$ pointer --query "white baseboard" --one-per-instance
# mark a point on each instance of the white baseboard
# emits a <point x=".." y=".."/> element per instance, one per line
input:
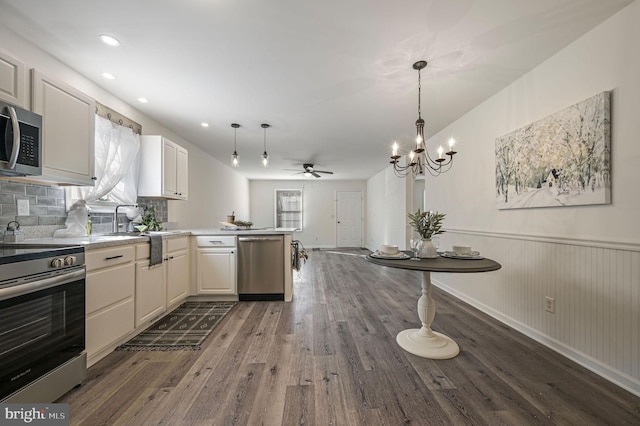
<point x="624" y="381"/>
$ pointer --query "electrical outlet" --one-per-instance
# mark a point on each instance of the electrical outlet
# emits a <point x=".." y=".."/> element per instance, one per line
<point x="23" y="207"/>
<point x="550" y="304"/>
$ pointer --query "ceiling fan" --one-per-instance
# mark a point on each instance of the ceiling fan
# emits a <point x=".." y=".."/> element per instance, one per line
<point x="308" y="171"/>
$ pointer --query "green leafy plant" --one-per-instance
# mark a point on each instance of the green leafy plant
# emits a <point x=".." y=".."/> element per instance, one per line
<point x="427" y="224"/>
<point x="149" y="221"/>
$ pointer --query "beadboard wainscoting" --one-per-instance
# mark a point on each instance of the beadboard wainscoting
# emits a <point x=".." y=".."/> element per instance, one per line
<point x="595" y="284"/>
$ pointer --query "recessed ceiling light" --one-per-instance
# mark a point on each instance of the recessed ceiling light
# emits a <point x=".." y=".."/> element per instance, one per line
<point x="143" y="100"/>
<point x="108" y="76"/>
<point x="111" y="41"/>
<point x="204" y="124"/>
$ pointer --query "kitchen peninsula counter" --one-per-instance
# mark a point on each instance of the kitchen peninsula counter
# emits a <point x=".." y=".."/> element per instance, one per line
<point x="286" y="233"/>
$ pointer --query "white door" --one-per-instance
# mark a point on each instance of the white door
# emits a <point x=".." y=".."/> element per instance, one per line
<point x="349" y="218"/>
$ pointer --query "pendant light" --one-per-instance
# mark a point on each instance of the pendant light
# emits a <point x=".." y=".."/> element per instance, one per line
<point x="235" y="158"/>
<point x="265" y="156"/>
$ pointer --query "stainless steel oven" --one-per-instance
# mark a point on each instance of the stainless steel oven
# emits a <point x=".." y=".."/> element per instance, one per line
<point x="42" y="322"/>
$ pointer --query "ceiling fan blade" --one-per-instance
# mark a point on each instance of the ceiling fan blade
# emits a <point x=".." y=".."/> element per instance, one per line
<point x="323" y="171"/>
<point x="315" y="174"/>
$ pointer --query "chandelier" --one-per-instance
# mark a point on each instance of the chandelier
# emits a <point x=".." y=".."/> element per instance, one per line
<point x="418" y="160"/>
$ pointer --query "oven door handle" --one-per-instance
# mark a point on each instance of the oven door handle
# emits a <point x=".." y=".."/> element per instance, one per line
<point x="43" y="284"/>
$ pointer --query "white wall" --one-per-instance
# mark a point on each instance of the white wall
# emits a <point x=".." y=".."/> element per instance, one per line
<point x="387" y="205"/>
<point x="318" y="208"/>
<point x="587" y="258"/>
<point x="214" y="188"/>
<point x="215" y="191"/>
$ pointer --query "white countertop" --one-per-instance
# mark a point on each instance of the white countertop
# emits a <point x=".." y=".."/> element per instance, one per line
<point x="102" y="241"/>
<point x="251" y="231"/>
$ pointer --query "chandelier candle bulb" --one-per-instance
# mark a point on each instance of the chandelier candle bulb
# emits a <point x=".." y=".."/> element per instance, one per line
<point x="440" y="151"/>
<point x="394" y="150"/>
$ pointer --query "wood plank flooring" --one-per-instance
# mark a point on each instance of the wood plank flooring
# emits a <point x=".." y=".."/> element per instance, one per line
<point x="330" y="358"/>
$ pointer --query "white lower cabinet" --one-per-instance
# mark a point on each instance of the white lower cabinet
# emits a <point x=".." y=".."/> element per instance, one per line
<point x="110" y="285"/>
<point x="124" y="295"/>
<point x="164" y="286"/>
<point x="177" y="275"/>
<point x="216" y="272"/>
<point x="150" y="291"/>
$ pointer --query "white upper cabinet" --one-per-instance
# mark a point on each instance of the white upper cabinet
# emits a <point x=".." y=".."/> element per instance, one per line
<point x="68" y="135"/>
<point x="182" y="173"/>
<point x="12" y="80"/>
<point x="164" y="169"/>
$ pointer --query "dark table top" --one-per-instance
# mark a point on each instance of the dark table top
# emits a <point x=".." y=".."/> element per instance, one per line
<point x="439" y="264"/>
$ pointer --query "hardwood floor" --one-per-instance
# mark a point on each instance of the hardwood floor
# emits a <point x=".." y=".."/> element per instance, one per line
<point x="330" y="358"/>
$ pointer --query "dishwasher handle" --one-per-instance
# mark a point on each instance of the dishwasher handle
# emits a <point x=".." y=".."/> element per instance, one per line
<point x="249" y="239"/>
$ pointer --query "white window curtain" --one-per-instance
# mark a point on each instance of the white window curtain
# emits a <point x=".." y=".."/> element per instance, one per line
<point x="117" y="164"/>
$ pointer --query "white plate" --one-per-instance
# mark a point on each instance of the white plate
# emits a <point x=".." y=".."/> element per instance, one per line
<point x="474" y="255"/>
<point x="399" y="256"/>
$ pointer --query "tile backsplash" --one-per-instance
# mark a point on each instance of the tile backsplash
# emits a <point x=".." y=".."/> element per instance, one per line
<point x="47" y="211"/>
<point x="46" y="207"/>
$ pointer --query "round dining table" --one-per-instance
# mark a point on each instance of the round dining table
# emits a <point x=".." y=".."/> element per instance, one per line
<point x="424" y="341"/>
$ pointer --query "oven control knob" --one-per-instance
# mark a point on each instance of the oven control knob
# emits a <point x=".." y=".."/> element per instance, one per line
<point x="69" y="261"/>
<point x="56" y="262"/>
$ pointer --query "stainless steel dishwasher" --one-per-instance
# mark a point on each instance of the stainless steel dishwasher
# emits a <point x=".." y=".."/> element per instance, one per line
<point x="261" y="267"/>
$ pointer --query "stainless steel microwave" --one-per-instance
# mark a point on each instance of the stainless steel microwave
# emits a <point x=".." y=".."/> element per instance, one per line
<point x="20" y="141"/>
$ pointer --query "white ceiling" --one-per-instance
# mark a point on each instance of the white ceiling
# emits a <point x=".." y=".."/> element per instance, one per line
<point x="334" y="78"/>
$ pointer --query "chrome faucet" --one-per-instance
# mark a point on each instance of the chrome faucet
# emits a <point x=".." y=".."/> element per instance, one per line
<point x="116" y="225"/>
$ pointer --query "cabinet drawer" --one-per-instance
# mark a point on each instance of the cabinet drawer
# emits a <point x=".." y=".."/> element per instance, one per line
<point x="102" y="258"/>
<point x="175" y="244"/>
<point x="216" y="241"/>
<point x="108" y="286"/>
<point x="143" y="250"/>
<point x="108" y="326"/>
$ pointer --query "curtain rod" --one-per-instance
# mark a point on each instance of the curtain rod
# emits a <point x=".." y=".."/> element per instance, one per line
<point x="116" y="117"/>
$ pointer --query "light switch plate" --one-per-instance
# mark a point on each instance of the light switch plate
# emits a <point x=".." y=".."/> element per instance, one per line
<point x="23" y="207"/>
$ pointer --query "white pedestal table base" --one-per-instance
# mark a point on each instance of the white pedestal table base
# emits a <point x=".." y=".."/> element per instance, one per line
<point x="425" y="342"/>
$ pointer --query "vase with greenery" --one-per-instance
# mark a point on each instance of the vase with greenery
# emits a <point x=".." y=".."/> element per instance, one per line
<point x="426" y="224"/>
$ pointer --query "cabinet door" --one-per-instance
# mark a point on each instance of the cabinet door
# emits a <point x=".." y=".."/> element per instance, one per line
<point x="169" y="157"/>
<point x="216" y="272"/>
<point x="109" y="306"/>
<point x="182" y="173"/>
<point x="12" y="77"/>
<point x="151" y="293"/>
<point x="177" y="277"/>
<point x="68" y="121"/>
